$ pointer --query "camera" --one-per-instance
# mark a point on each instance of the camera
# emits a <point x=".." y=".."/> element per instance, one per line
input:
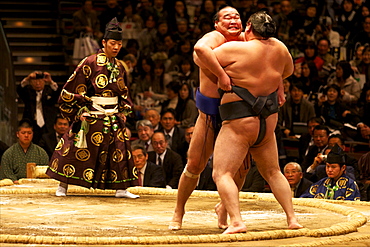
<point x="40" y="75"/>
<point x="324" y="157"/>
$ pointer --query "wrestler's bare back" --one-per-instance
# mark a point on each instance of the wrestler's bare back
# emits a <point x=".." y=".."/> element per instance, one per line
<point x="261" y="79"/>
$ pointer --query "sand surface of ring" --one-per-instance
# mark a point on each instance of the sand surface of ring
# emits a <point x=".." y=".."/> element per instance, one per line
<point x="103" y="215"/>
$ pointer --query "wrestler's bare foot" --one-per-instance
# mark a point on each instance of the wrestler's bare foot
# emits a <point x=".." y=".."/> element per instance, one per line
<point x="293" y="224"/>
<point x="176" y="221"/>
<point x="221" y="215"/>
<point x="236" y="228"/>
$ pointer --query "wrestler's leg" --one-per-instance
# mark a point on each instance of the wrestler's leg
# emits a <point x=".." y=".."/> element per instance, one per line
<point x="230" y="149"/>
<point x="266" y="157"/>
<point x="239" y="179"/>
<point x="200" y="149"/>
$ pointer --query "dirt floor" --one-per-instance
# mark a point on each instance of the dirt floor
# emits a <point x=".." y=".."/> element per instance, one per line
<point x="32" y="209"/>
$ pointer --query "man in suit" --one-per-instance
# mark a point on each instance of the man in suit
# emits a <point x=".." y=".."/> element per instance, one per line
<point x="166" y="158"/>
<point x="145" y="131"/>
<point x="306" y="139"/>
<point x="175" y="136"/>
<point x="298" y="184"/>
<point x="296" y="109"/>
<point x="50" y="140"/>
<point x="150" y="174"/>
<point x="154" y="117"/>
<point x="39" y="94"/>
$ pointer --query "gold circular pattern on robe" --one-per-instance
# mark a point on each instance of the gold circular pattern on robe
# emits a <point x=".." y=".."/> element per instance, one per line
<point x="117" y="156"/>
<point x="97" y="138"/>
<point x="107" y="93"/>
<point x="88" y="174"/>
<point x="81" y="89"/>
<point x="92" y="121"/>
<point x="81" y="62"/>
<point x="125" y="173"/>
<point x="82" y="154"/>
<point x="342" y="182"/>
<point x="126" y="135"/>
<point x="121" y="84"/>
<point x="112" y="176"/>
<point x="86" y="70"/>
<point x="319" y="196"/>
<point x="69" y="170"/>
<point x="65" y="108"/>
<point x="111" y="138"/>
<point x="135" y="172"/>
<point x="60" y="144"/>
<point x="54" y="164"/>
<point x="67" y="96"/>
<point x="128" y="154"/>
<point x="103" y="175"/>
<point x="101" y="59"/>
<point x="101" y="81"/>
<point x="72" y="77"/>
<point x="121" y="135"/>
<point x="66" y="150"/>
<point x="313" y="189"/>
<point x="103" y="157"/>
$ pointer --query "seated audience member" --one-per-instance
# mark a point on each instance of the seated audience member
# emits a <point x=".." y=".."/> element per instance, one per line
<point x="331" y="108"/>
<point x="184" y="151"/>
<point x="145" y="131"/>
<point x="364" y="177"/>
<point x="15" y="158"/>
<point x="317" y="169"/>
<point x="149" y="174"/>
<point x="294" y="175"/>
<point x="337" y="186"/>
<point x="306" y="139"/>
<point x="186" y="111"/>
<point x="350" y="88"/>
<point x="169" y="160"/>
<point x="39" y="94"/>
<point x="254" y="181"/>
<point x="172" y="96"/>
<point x="174" y="135"/>
<point x="154" y="117"/>
<point x="296" y="109"/>
<point x="50" y="140"/>
<point x="320" y="139"/>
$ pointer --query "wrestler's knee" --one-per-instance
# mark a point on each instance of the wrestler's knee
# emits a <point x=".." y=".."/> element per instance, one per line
<point x="195" y="167"/>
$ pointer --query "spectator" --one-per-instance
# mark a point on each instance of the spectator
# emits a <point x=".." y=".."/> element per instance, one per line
<point x="145" y="131"/>
<point x="189" y="75"/>
<point x="186" y="111"/>
<point x="306" y="139"/>
<point x="320" y="142"/>
<point x="310" y="19"/>
<point x="149" y="174"/>
<point x="350" y="88"/>
<point x="364" y="179"/>
<point x="333" y="110"/>
<point x="296" y="109"/>
<point x="325" y="30"/>
<point x="310" y="80"/>
<point x="357" y="57"/>
<point x="86" y="20"/>
<point x="50" y="140"/>
<point x="286" y="21"/>
<point x="15" y="158"/>
<point x="188" y="134"/>
<point x="39" y="94"/>
<point x="364" y="66"/>
<point x="179" y="12"/>
<point x="166" y="158"/>
<point x="185" y="52"/>
<point x="347" y="20"/>
<point x="132" y="24"/>
<point x="148" y="35"/>
<point x="311" y="54"/>
<point x="160" y="44"/>
<point x="160" y="10"/>
<point x="337" y="186"/>
<point x="112" y="9"/>
<point x="182" y="31"/>
<point x="175" y="136"/>
<point x="323" y="48"/>
<point x="154" y="117"/>
<point x="172" y="90"/>
<point x="294" y="175"/>
<point x="254" y="181"/>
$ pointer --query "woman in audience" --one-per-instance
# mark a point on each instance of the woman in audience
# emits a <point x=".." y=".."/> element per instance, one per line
<point x="310" y="80"/>
<point x="350" y="88"/>
<point x="186" y="111"/>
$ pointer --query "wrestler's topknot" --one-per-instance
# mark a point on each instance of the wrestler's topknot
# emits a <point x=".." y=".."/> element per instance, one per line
<point x="263" y="24"/>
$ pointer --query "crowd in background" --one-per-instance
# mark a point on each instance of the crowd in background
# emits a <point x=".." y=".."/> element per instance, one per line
<point x="328" y="40"/>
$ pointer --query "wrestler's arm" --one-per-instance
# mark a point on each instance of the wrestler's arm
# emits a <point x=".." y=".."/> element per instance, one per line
<point x="205" y="58"/>
<point x="288" y="71"/>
